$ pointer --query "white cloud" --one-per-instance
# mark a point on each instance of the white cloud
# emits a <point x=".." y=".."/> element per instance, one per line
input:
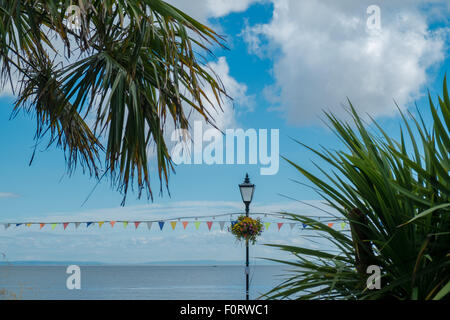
<point x="8" y="195"/>
<point x="324" y="54"/>
<point x="204" y="9"/>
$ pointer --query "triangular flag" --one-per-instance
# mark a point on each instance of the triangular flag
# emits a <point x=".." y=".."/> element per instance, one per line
<point x="267" y="225"/>
<point x="65" y="224"/>
<point x="292" y="224"/>
<point x="173" y="224"/>
<point x="330" y="224"/>
<point x="161" y="225"/>
<point x="185" y="223"/>
<point x="112" y="223"/>
<point x="197" y="224"/>
<point x="41" y="225"/>
<point x="343" y="225"/>
<point x="304" y="225"/>
<point x="209" y="223"/>
<point x="222" y="224"/>
<point x="88" y="224"/>
<point x="77" y="224"/>
<point x="280" y="224"/>
<point x="125" y="223"/>
<point x="53" y="226"/>
<point x="18" y="224"/>
<point x="100" y="223"/>
<point x="136" y="224"/>
<point x="28" y="224"/>
<point x="149" y="225"/>
<point x="7" y="225"/>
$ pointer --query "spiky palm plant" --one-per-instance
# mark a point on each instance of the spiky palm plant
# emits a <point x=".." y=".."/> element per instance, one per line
<point x="395" y="196"/>
<point x="139" y="64"/>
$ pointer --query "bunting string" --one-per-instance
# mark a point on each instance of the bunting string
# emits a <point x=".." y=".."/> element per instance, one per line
<point x="184" y="221"/>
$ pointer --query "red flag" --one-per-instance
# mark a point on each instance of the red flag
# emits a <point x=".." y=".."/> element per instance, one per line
<point x="280" y="224"/>
<point x="209" y="223"/>
<point x="136" y="224"/>
<point x="330" y="224"/>
<point x="185" y="223"/>
<point x="65" y="225"/>
<point x="112" y="223"/>
<point x="42" y="225"/>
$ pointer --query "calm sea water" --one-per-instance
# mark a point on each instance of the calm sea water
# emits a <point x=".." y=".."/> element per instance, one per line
<point x="138" y="282"/>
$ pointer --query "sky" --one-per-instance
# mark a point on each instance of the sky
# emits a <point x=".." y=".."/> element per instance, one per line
<point x="286" y="62"/>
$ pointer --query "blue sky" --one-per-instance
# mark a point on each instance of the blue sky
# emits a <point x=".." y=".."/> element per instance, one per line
<point x="287" y="60"/>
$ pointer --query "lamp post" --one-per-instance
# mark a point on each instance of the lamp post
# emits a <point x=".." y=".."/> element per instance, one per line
<point x="247" y="189"/>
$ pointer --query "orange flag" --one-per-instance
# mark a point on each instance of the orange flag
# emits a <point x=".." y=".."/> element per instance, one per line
<point x="112" y="223"/>
<point x="65" y="224"/>
<point x="185" y="223"/>
<point x="330" y="224"/>
<point x="280" y="224"/>
<point x="42" y="225"/>
<point x="209" y="223"/>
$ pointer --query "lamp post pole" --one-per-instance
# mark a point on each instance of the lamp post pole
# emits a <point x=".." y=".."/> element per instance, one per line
<point x="247" y="271"/>
<point x="247" y="189"/>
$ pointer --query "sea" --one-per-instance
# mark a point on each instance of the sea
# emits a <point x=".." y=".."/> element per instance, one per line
<point x="141" y="282"/>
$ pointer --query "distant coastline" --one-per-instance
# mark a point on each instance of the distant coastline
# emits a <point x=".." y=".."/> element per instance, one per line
<point x="154" y="263"/>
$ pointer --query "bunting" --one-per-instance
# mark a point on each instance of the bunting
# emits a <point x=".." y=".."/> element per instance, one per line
<point x="173" y="224"/>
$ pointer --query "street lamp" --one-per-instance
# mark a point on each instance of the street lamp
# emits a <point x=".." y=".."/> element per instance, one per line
<point x="247" y="189"/>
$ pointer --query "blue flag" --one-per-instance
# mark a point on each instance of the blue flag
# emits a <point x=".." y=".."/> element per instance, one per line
<point x="88" y="224"/>
<point x="161" y="224"/>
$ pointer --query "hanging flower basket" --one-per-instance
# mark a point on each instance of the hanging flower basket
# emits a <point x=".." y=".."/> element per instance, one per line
<point x="246" y="228"/>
